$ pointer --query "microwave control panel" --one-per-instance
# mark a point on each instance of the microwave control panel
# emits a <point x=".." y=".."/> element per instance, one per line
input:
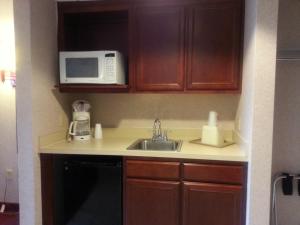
<point x="109" y="64"/>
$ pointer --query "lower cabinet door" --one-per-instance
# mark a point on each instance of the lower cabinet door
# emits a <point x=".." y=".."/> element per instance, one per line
<point x="149" y="202"/>
<point x="212" y="204"/>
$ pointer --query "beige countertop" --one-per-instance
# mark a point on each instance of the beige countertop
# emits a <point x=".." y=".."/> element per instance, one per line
<point x="116" y="141"/>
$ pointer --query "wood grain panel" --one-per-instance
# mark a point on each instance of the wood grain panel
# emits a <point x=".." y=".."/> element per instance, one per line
<point x="93" y="88"/>
<point x="47" y="179"/>
<point x="212" y="204"/>
<point x="213" y="173"/>
<point x="159" y="40"/>
<point x="153" y="169"/>
<point x="214" y="46"/>
<point x="152" y="202"/>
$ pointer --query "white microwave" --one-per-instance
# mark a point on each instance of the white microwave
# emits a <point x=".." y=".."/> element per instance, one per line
<point x="91" y="67"/>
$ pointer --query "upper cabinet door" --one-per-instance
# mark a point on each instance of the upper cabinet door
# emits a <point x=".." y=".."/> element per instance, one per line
<point x="159" y="42"/>
<point x="214" y="46"/>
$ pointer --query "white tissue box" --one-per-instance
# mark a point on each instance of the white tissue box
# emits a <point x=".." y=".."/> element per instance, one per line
<point x="212" y="135"/>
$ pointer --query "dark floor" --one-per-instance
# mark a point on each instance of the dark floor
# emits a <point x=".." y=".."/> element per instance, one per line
<point x="9" y="219"/>
<point x="11" y="214"/>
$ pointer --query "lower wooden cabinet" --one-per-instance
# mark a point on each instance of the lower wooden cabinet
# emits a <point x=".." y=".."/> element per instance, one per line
<point x="150" y="202"/>
<point x="167" y="191"/>
<point x="201" y="194"/>
<point x="211" y="204"/>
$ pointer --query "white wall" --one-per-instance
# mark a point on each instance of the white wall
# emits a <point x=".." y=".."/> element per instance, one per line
<point x="286" y="136"/>
<point x="286" y="149"/>
<point x="24" y="112"/>
<point x="263" y="112"/>
<point x="8" y="146"/>
<point x="244" y="117"/>
<point x="40" y="108"/>
<point x="255" y="114"/>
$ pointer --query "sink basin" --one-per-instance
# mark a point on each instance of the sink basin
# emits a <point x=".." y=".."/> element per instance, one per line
<point x="149" y="144"/>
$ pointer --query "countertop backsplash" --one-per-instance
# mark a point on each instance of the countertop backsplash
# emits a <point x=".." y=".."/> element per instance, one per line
<point x="175" y="111"/>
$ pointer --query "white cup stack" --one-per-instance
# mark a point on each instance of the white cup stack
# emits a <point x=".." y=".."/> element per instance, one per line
<point x="212" y="119"/>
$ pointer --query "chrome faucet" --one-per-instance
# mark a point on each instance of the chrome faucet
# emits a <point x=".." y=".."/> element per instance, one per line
<point x="157" y="132"/>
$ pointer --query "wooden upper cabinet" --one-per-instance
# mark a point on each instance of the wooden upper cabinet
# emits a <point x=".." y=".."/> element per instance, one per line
<point x="159" y="48"/>
<point x="95" y="26"/>
<point x="214" y="46"/>
<point x="168" y="45"/>
<point x="212" y="204"/>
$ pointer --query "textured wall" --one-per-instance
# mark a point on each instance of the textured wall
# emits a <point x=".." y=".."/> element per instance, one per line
<point x="244" y="116"/>
<point x="175" y="111"/>
<point x="8" y="146"/>
<point x="255" y="112"/>
<point x="24" y="113"/>
<point x="286" y="151"/>
<point x="50" y="109"/>
<point x="263" y="112"/>
<point x="40" y="108"/>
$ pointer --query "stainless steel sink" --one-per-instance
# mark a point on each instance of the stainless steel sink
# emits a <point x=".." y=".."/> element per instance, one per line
<point x="153" y="145"/>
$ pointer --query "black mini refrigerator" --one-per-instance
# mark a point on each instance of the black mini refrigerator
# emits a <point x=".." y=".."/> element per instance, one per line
<point x="88" y="190"/>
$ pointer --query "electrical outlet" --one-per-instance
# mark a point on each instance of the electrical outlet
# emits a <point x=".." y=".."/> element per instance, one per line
<point x="9" y="174"/>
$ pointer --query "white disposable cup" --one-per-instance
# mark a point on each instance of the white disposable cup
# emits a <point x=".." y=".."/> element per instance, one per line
<point x="98" y="131"/>
<point x="212" y="118"/>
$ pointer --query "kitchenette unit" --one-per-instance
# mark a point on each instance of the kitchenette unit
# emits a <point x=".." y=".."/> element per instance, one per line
<point x="190" y="185"/>
<point x="129" y="52"/>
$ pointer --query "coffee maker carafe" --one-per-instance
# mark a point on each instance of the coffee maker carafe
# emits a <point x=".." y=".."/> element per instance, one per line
<point x="80" y="127"/>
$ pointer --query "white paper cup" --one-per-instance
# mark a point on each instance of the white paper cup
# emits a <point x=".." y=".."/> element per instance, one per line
<point x="98" y="131"/>
<point x="212" y="118"/>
